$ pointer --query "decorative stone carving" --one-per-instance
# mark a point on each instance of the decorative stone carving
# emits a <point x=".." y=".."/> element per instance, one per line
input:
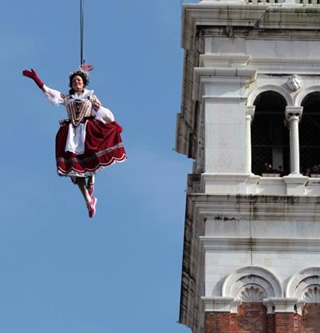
<point x="252" y="294"/>
<point x="294" y="82"/>
<point x="312" y="294"/>
<point x="302" y="281"/>
<point x="263" y="283"/>
<point x="305" y="285"/>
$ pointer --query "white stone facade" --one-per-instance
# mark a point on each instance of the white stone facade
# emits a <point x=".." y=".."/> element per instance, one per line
<point x="249" y="236"/>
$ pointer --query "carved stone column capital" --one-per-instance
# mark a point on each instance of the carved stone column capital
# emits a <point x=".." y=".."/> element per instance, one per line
<point x="250" y="110"/>
<point x="294" y="112"/>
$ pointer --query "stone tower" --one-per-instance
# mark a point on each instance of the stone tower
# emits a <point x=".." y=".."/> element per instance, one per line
<point x="250" y="120"/>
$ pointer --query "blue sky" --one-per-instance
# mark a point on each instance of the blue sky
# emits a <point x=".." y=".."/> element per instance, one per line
<point x="59" y="270"/>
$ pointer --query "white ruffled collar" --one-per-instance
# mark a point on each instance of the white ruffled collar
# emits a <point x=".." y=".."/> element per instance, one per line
<point x="86" y="93"/>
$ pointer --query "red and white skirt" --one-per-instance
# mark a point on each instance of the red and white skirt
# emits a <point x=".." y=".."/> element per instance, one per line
<point x="103" y="147"/>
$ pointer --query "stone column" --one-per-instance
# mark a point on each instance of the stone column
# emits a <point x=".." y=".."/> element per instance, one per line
<point x="293" y="115"/>
<point x="249" y="116"/>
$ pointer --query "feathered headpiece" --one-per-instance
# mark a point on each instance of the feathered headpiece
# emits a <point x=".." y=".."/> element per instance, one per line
<point x="83" y="72"/>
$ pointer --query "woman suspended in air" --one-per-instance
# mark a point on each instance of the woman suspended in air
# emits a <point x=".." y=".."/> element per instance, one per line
<point x="89" y="139"/>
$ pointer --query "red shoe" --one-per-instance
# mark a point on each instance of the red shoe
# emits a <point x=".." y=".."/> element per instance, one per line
<point x="92" y="206"/>
<point x="90" y="189"/>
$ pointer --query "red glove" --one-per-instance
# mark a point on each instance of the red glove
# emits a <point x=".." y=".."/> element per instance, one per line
<point x="33" y="75"/>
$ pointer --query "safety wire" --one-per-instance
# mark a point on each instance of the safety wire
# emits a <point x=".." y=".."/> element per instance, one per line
<point x="82" y="61"/>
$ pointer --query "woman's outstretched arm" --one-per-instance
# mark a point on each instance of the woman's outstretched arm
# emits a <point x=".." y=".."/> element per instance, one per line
<point x="34" y="76"/>
<point x="54" y="96"/>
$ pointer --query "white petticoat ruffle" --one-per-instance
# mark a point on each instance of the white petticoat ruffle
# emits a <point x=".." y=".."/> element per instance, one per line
<point x="76" y="138"/>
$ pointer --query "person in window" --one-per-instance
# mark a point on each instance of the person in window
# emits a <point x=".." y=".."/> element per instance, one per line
<point x="89" y="139"/>
<point x="308" y="172"/>
<point x="268" y="168"/>
<point x="315" y="169"/>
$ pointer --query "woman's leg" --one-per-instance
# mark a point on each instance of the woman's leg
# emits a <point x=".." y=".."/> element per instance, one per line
<point x="81" y="182"/>
<point x="90" y="184"/>
<point x="90" y="201"/>
<point x="91" y="179"/>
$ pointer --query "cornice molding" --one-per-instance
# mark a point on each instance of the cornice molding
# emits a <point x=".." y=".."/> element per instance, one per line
<point x="243" y="15"/>
<point x="306" y="245"/>
<point x="240" y="207"/>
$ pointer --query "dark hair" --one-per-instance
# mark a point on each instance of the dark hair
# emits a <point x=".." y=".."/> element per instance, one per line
<point x="84" y="77"/>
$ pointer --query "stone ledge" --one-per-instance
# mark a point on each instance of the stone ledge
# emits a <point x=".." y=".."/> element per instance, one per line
<point x="249" y="184"/>
<point x="220" y="304"/>
<point x="261" y="244"/>
<point x="224" y="59"/>
<point x="280" y="305"/>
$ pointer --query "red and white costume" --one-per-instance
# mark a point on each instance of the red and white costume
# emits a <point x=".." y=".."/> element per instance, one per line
<point x="88" y="140"/>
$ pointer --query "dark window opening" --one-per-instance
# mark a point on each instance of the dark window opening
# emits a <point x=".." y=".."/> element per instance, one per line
<point x="309" y="132"/>
<point x="270" y="136"/>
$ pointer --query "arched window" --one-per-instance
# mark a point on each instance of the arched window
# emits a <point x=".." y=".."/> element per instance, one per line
<point x="270" y="137"/>
<point x="309" y="130"/>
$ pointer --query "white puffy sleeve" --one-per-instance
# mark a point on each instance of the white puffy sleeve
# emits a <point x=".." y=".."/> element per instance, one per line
<point x="104" y="115"/>
<point x="54" y="96"/>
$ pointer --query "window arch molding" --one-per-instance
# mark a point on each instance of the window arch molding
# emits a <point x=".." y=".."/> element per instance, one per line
<point x="310" y="90"/>
<point x="254" y="94"/>
<point x="251" y="276"/>
<point x="301" y="281"/>
<point x="305" y="287"/>
<point x="269" y="135"/>
<point x="309" y="130"/>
